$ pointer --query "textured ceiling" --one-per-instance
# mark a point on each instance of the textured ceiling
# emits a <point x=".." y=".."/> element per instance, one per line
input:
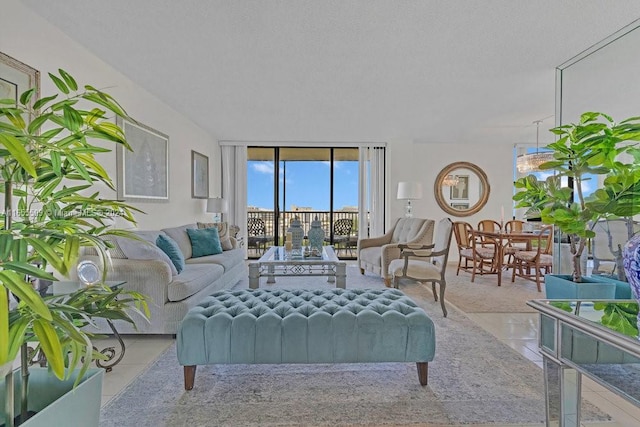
<point x="339" y="70"/>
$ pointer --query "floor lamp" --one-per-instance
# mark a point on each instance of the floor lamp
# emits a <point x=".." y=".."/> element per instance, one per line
<point x="409" y="191"/>
<point x="217" y="206"/>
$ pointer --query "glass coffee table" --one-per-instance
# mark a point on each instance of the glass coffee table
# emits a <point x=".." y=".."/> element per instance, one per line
<point x="278" y="262"/>
<point x="112" y="355"/>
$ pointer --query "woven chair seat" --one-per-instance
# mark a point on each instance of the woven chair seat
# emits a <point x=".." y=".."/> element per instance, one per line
<point x="530" y="256"/>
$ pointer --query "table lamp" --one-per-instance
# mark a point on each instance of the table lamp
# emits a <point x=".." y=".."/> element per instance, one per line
<point x="217" y="206"/>
<point x="409" y="191"/>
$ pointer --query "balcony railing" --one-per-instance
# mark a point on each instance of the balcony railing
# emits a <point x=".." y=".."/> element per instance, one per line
<point x="345" y="250"/>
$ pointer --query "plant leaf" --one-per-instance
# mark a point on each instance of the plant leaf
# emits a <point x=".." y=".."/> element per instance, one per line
<point x="25" y="293"/>
<point x="59" y="83"/>
<point x="70" y="81"/>
<point x="51" y="346"/>
<point x="18" y="151"/>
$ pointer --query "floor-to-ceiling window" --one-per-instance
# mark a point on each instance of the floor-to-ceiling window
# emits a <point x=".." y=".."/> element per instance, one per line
<point x="288" y="182"/>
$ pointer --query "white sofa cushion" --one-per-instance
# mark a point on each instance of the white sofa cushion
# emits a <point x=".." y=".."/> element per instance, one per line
<point x="192" y="280"/>
<point x="135" y="249"/>
<point x="227" y="259"/>
<point x="179" y="234"/>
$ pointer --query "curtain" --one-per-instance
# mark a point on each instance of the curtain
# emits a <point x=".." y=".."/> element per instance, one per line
<point x="371" y="195"/>
<point x="234" y="185"/>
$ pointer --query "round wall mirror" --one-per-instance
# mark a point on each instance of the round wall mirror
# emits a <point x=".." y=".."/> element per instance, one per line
<point x="461" y="189"/>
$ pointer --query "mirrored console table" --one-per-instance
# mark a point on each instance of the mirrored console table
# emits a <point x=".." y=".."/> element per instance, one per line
<point x="574" y="342"/>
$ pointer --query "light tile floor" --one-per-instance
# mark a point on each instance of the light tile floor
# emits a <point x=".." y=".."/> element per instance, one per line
<point x="520" y="332"/>
<point x="517" y="330"/>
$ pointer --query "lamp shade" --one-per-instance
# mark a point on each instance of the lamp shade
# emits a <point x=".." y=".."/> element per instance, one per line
<point x="409" y="190"/>
<point x="216" y="205"/>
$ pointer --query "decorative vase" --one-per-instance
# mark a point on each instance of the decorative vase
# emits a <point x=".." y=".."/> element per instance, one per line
<point x="316" y="235"/>
<point x="631" y="262"/>
<point x="297" y="234"/>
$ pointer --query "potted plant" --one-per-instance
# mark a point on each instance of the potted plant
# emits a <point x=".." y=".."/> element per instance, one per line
<point x="48" y="166"/>
<point x="595" y="146"/>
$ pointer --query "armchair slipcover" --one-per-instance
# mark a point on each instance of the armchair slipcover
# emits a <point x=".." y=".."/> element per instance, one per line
<point x="426" y="263"/>
<point x="375" y="254"/>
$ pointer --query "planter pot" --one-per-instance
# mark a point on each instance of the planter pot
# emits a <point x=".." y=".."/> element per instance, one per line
<point x="56" y="402"/>
<point x="566" y="260"/>
<point x="623" y="289"/>
<point x="5" y="369"/>
<point x="559" y="286"/>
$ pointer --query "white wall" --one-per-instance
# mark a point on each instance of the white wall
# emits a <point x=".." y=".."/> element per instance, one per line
<point x="410" y="161"/>
<point x="32" y="40"/>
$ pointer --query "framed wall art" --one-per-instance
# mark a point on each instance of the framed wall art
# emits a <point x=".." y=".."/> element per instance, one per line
<point x="143" y="172"/>
<point x="16" y="77"/>
<point x="460" y="191"/>
<point x="199" y="176"/>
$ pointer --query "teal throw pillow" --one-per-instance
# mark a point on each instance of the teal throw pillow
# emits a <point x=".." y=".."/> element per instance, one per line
<point x="204" y="241"/>
<point x="170" y="247"/>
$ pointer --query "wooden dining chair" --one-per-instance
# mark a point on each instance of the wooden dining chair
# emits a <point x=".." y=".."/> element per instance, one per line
<point x="530" y="264"/>
<point x="514" y="245"/>
<point x="469" y="249"/>
<point x="488" y="225"/>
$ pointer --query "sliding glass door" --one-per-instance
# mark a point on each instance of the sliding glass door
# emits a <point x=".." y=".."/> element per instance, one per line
<point x="308" y="183"/>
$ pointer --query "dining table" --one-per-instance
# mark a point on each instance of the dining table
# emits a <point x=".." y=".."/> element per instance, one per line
<point x="501" y="239"/>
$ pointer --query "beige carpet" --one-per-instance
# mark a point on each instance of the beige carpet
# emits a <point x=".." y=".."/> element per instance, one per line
<point x="485" y="296"/>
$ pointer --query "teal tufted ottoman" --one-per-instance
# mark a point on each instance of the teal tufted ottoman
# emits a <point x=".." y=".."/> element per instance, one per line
<point x="305" y="326"/>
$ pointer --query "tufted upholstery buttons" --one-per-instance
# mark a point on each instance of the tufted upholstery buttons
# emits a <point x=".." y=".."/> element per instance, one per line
<point x="260" y="302"/>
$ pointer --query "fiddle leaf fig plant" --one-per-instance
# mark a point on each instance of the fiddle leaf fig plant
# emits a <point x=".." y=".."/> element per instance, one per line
<point x="48" y="163"/>
<point x="595" y="146"/>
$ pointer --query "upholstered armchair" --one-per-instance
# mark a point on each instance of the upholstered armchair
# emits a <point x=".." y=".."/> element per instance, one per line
<point x="375" y="254"/>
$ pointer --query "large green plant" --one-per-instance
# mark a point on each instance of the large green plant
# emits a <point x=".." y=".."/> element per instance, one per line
<point x="593" y="146"/>
<point x="49" y="169"/>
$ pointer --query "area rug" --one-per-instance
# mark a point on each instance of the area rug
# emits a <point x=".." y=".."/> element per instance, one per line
<point x="474" y="379"/>
<point x="485" y="296"/>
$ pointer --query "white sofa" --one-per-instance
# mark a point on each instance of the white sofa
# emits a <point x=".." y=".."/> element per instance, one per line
<point x="171" y="296"/>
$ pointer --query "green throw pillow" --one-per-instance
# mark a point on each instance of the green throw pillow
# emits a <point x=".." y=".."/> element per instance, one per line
<point x="204" y="241"/>
<point x="170" y="247"/>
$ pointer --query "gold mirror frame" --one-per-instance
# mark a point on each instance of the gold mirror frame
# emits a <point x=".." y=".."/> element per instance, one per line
<point x="447" y="170"/>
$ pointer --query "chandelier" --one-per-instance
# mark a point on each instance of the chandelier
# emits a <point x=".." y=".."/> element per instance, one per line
<point x="450" y="181"/>
<point x="532" y="162"/>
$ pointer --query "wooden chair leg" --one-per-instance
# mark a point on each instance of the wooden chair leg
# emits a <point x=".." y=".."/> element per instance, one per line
<point x="423" y="372"/>
<point x="362" y="271"/>
<point x="189" y="376"/>
<point x="443" y="286"/>
<point x="433" y="289"/>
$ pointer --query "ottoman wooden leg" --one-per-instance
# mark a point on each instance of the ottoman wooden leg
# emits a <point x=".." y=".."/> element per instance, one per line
<point x="423" y="372"/>
<point x="189" y="376"/>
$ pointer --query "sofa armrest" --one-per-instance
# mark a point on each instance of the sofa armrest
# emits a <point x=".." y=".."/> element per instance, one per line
<point x="374" y="241"/>
<point x="390" y="252"/>
<point x="148" y="277"/>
